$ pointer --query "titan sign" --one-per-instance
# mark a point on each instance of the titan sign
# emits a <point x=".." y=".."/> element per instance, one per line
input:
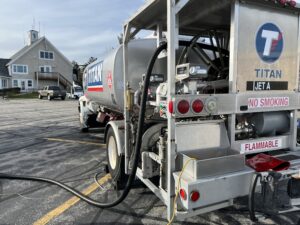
<point x="269" y="42"/>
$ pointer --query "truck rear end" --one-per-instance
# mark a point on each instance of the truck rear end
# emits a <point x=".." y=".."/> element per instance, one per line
<point x="221" y="105"/>
<point x="225" y="104"/>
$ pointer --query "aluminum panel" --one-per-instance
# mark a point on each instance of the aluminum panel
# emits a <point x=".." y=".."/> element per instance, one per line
<point x="201" y="136"/>
<point x="269" y="27"/>
<point x="213" y="162"/>
<point x="241" y="103"/>
<point x="217" y="189"/>
<point x="286" y="101"/>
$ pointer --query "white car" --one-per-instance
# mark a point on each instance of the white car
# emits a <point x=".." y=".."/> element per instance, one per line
<point x="76" y="92"/>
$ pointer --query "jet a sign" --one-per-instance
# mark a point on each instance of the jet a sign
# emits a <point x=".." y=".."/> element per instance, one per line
<point x="269" y="42"/>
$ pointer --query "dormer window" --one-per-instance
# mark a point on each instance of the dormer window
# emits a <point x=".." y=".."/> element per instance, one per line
<point x="46" y="55"/>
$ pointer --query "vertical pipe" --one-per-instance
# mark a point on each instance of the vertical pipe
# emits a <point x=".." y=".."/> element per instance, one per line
<point x="126" y="112"/>
<point x="233" y="47"/>
<point x="172" y="37"/>
<point x="159" y="34"/>
<point x="233" y="64"/>
<point x="37" y="80"/>
<point x="293" y="130"/>
<point x="294" y="119"/>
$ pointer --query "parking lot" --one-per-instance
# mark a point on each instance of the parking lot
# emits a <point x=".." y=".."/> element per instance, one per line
<point x="41" y="138"/>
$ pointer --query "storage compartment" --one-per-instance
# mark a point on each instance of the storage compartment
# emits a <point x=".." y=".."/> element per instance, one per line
<point x="210" y="162"/>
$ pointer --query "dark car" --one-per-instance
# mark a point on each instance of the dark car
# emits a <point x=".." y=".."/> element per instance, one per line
<point x="52" y="92"/>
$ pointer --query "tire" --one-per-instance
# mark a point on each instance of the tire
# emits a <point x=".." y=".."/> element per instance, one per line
<point x="84" y="130"/>
<point x="115" y="162"/>
<point x="40" y="96"/>
<point x="63" y="98"/>
<point x="49" y="97"/>
<point x="92" y="121"/>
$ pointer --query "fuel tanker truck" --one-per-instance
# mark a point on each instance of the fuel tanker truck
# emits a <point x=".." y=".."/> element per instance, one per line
<point x="207" y="110"/>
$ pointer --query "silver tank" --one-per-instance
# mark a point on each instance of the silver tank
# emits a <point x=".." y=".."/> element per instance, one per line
<point x="103" y="80"/>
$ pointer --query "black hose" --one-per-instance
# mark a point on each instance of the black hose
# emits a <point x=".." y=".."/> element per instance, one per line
<point x="251" y="202"/>
<point x="135" y="157"/>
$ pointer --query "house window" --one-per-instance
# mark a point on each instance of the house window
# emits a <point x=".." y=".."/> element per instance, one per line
<point x="4" y="83"/>
<point x="45" y="69"/>
<point x="15" y="83"/>
<point x="46" y="55"/>
<point x="20" y="69"/>
<point x="29" y="83"/>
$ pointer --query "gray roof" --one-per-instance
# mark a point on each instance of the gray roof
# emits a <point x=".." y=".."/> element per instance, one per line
<point x="3" y="68"/>
<point x="25" y="49"/>
<point x="20" y="52"/>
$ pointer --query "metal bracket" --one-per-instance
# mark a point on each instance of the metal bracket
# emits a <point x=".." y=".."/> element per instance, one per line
<point x="128" y="33"/>
<point x="180" y="5"/>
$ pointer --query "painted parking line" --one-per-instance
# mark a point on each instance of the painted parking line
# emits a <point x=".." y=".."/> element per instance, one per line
<point x="74" y="141"/>
<point x="69" y="203"/>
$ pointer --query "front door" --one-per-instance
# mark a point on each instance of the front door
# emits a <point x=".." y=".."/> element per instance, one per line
<point x="23" y="85"/>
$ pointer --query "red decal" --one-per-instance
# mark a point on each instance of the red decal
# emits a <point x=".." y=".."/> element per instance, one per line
<point x="94" y="89"/>
<point x="109" y="80"/>
<point x="268" y="102"/>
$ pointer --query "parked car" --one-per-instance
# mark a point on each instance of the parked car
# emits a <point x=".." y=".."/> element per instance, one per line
<point x="52" y="92"/>
<point x="76" y="92"/>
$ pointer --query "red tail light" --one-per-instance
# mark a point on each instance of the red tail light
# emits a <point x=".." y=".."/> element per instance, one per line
<point x="171" y="107"/>
<point x="182" y="194"/>
<point x="194" y="196"/>
<point x="197" y="106"/>
<point x="283" y="2"/>
<point x="292" y="3"/>
<point x="183" y="106"/>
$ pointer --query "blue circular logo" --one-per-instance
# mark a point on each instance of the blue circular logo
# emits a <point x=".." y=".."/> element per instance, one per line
<point x="269" y="42"/>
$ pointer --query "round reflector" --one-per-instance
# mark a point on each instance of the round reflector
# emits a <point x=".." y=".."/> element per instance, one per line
<point x="182" y="194"/>
<point x="183" y="106"/>
<point x="197" y="106"/>
<point x="194" y="196"/>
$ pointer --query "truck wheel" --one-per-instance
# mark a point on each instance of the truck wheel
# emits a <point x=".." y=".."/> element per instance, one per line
<point x="40" y="97"/>
<point x="115" y="162"/>
<point x="84" y="130"/>
<point x="49" y="97"/>
<point x="63" y="98"/>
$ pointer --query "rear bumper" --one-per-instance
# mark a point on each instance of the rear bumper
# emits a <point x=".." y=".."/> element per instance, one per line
<point x="57" y="95"/>
<point x="226" y="187"/>
<point x="215" y="189"/>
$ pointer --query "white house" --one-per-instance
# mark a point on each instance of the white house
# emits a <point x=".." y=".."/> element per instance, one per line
<point x="38" y="64"/>
<point x="5" y="78"/>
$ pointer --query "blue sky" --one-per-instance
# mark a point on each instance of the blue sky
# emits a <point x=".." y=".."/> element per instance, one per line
<point x="78" y="28"/>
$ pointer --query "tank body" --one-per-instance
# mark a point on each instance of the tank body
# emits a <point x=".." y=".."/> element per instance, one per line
<point x="103" y="80"/>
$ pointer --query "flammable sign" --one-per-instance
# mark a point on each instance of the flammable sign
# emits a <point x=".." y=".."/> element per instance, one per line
<point x="261" y="145"/>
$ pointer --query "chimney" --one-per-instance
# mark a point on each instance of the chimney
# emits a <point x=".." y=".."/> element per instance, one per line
<point x="33" y="36"/>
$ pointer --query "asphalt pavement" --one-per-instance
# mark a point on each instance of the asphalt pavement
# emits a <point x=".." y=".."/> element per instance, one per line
<point x="42" y="138"/>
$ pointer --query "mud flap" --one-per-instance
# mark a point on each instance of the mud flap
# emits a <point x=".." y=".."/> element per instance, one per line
<point x="278" y="194"/>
